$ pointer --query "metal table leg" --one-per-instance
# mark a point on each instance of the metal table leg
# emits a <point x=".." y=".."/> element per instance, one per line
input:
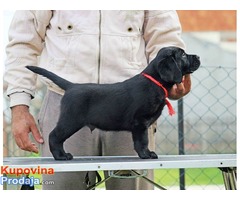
<point x="229" y="177"/>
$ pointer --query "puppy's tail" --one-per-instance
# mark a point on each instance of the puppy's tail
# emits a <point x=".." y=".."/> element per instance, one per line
<point x="62" y="83"/>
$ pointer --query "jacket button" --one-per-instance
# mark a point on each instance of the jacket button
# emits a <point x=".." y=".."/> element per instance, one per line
<point x="130" y="29"/>
<point x="70" y="27"/>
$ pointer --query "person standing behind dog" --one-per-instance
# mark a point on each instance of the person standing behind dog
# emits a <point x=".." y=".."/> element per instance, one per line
<point x="83" y="47"/>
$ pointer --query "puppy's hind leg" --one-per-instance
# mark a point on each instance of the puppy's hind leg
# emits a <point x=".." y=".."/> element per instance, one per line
<point x="58" y="136"/>
<point x="56" y="146"/>
<point x="140" y="139"/>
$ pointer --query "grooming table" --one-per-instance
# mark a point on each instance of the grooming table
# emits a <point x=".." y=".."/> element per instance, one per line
<point x="226" y="162"/>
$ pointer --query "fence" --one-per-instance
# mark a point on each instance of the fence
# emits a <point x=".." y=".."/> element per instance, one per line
<point x="209" y="113"/>
<point x="209" y="126"/>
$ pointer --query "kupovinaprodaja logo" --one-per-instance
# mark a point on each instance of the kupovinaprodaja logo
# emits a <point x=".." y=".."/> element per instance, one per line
<point x="11" y="176"/>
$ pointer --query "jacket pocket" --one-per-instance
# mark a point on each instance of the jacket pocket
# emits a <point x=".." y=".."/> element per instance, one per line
<point x="135" y="53"/>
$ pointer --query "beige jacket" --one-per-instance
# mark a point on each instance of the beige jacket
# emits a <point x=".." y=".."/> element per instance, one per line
<point x="84" y="46"/>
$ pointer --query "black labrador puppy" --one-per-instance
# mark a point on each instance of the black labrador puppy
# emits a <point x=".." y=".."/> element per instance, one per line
<point x="132" y="105"/>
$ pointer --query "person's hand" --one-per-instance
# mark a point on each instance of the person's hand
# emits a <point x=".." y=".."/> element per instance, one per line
<point x="181" y="89"/>
<point x="23" y="124"/>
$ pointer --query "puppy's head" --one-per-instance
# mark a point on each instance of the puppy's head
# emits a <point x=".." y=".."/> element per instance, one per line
<point x="173" y="63"/>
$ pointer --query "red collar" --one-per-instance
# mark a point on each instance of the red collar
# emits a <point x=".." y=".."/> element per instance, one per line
<point x="170" y="108"/>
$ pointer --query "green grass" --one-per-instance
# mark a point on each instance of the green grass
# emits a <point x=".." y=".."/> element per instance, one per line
<point x="198" y="176"/>
<point x="206" y="176"/>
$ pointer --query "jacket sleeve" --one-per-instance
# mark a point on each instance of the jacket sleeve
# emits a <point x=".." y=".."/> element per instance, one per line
<point x="26" y="40"/>
<point x="161" y="29"/>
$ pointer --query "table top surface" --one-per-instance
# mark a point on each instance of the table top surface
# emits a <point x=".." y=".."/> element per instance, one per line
<point x="94" y="163"/>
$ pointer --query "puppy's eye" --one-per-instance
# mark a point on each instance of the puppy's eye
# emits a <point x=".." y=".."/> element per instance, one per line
<point x="184" y="55"/>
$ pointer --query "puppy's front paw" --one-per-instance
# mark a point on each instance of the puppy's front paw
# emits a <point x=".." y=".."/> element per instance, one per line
<point x="146" y="154"/>
<point x="153" y="155"/>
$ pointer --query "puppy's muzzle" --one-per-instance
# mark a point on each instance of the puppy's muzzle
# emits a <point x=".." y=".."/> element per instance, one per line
<point x="194" y="63"/>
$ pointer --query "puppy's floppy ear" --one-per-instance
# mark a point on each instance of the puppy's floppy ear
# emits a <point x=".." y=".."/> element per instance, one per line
<point x="169" y="70"/>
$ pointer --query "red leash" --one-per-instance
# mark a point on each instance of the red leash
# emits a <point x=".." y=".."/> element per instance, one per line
<point x="170" y="108"/>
